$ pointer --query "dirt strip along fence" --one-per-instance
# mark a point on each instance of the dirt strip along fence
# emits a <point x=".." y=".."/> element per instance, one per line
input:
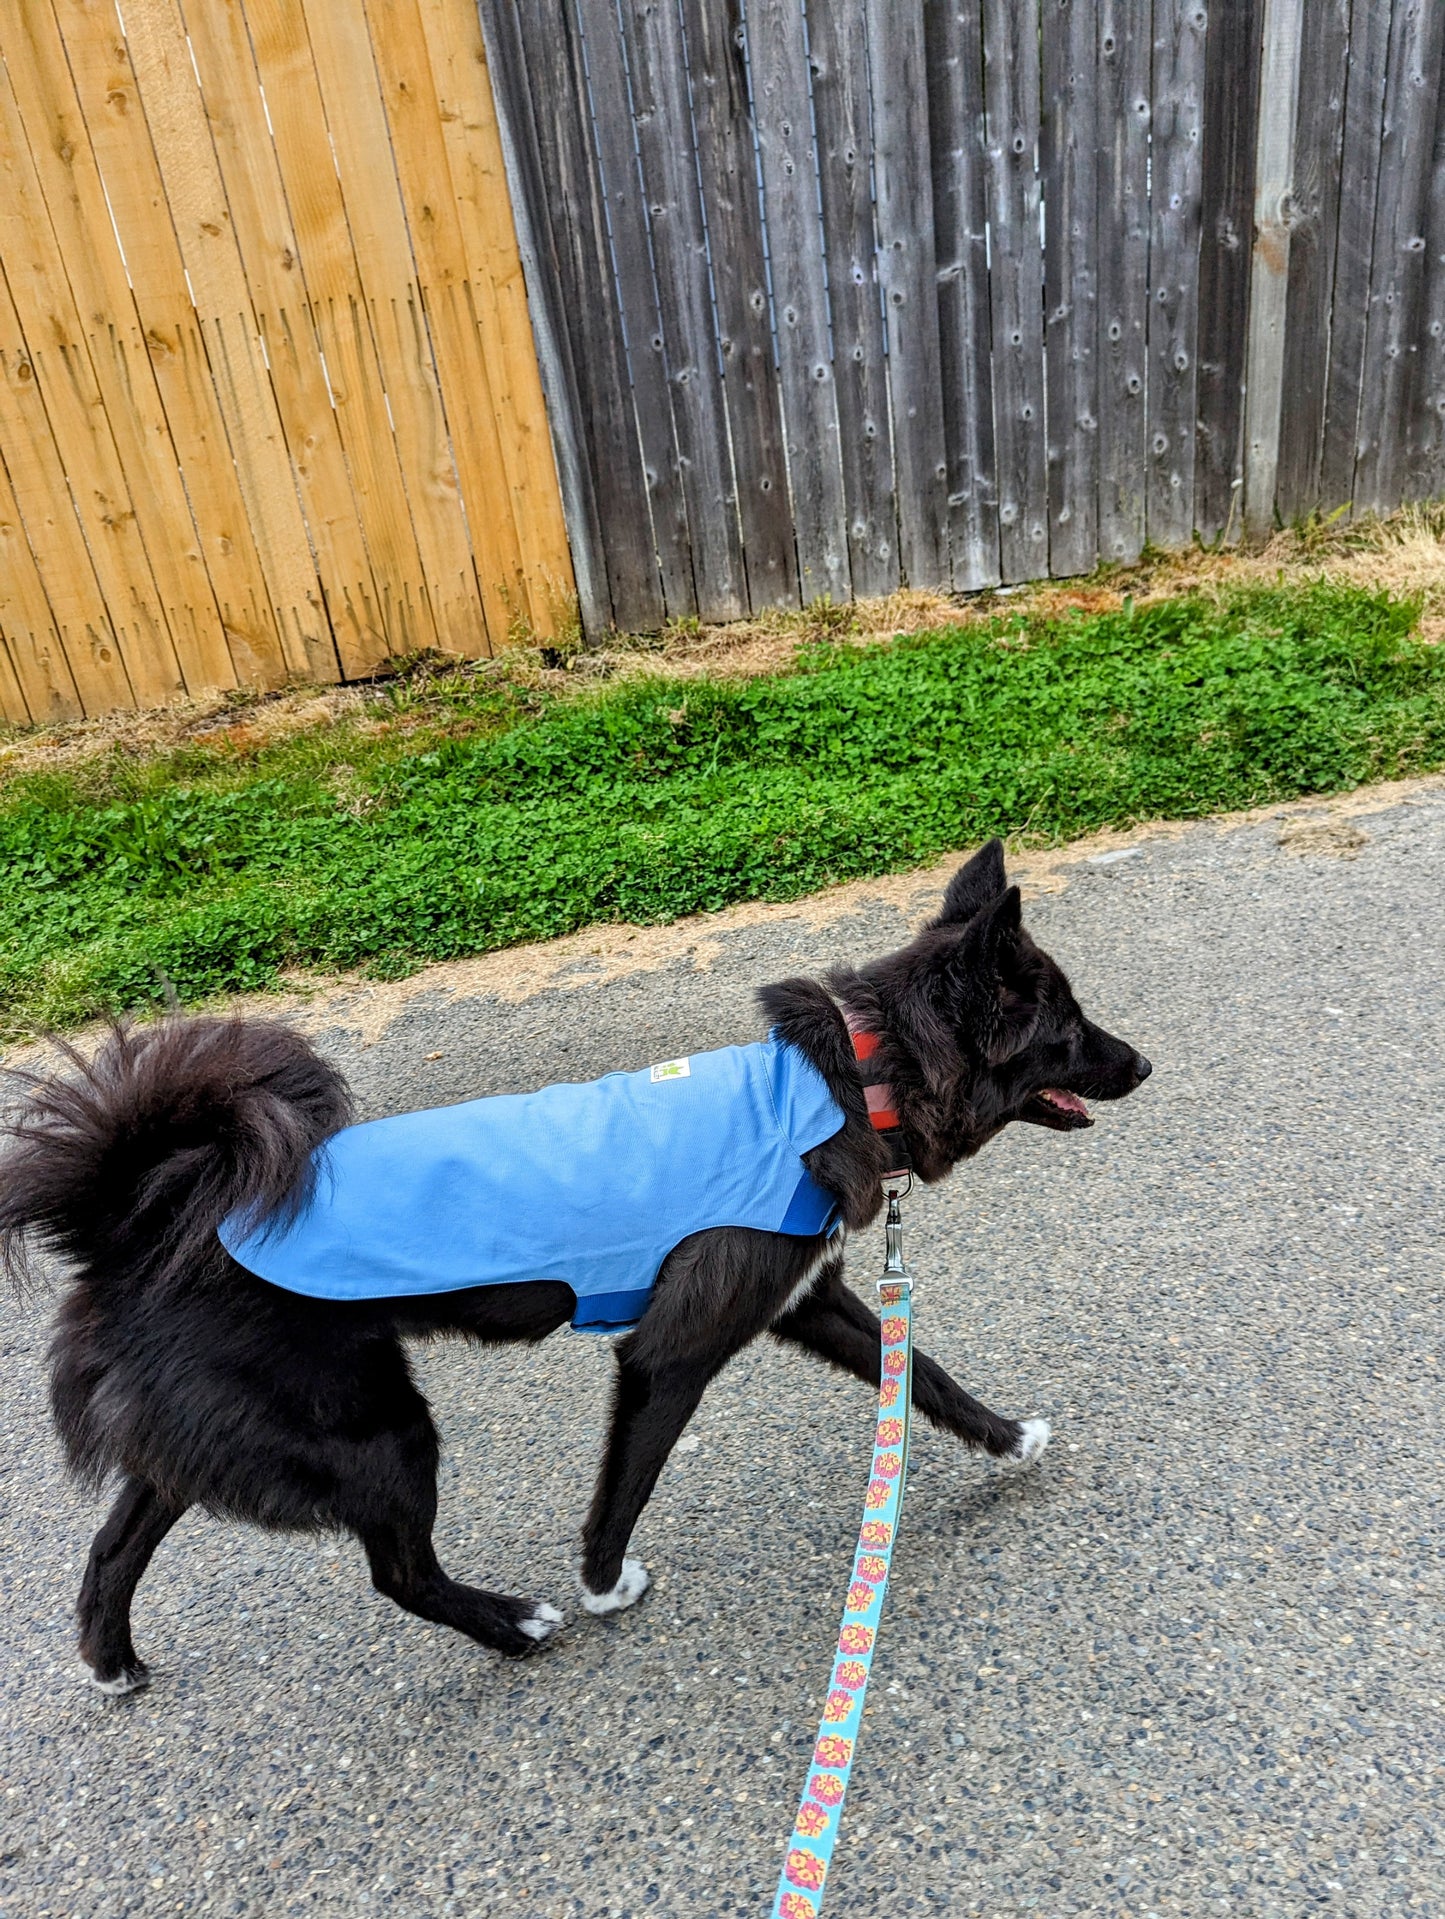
<point x="844" y="294"/>
<point x="269" y="401"/>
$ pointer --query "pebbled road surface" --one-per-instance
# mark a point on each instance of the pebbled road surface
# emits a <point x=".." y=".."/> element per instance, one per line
<point x="1191" y="1666"/>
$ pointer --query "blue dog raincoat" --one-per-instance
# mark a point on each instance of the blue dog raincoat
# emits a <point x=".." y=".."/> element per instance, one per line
<point x="591" y="1184"/>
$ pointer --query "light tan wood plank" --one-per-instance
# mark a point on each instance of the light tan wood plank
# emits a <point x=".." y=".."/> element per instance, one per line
<point x="413" y="117"/>
<point x="96" y="55"/>
<point x="44" y="508"/>
<point x="35" y="650"/>
<point x="493" y="268"/>
<point x="333" y="282"/>
<point x="176" y="117"/>
<point x="84" y="246"/>
<point x="55" y="338"/>
<point x="60" y="363"/>
<point x="275" y="276"/>
<point x="361" y="141"/>
<point x="12" y="701"/>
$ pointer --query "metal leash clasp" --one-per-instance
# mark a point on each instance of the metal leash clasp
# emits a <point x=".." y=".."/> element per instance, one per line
<point x="895" y="1270"/>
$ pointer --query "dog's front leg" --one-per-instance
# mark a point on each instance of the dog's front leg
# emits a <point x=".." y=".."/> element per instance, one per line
<point x="835" y="1324"/>
<point x="650" y="1411"/>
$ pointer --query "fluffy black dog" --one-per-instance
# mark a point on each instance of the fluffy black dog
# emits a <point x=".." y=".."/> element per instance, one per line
<point x="203" y="1385"/>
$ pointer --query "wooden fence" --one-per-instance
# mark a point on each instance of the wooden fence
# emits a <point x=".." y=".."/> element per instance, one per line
<point x="825" y="296"/>
<point x="269" y="402"/>
<point x="839" y="294"/>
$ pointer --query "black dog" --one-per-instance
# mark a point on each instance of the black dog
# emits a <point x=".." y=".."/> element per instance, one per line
<point x="202" y="1384"/>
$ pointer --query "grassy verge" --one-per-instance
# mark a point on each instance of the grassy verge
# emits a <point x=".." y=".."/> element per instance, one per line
<point x="524" y="813"/>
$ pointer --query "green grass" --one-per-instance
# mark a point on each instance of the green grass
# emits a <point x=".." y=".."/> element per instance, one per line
<point x="657" y="798"/>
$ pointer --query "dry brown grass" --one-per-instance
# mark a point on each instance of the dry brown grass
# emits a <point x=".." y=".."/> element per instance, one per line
<point x="1402" y="554"/>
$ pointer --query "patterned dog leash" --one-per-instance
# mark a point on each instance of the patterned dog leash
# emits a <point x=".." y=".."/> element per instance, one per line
<point x="815" y="1830"/>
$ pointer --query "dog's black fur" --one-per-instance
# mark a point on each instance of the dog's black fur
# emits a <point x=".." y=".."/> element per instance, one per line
<point x="203" y="1385"/>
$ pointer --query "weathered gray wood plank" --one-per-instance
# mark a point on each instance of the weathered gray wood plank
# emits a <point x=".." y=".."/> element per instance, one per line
<point x="838" y="43"/>
<point x="1269" y="271"/>
<point x="1176" y="162"/>
<point x="1389" y="384"/>
<point x="782" y="110"/>
<point x="1354" y="247"/>
<point x="727" y="170"/>
<point x="1070" y="166"/>
<point x="1231" y="124"/>
<point x="903" y="184"/>
<point x="953" y="30"/>
<point x="610" y="101"/>
<point x="1011" y="105"/>
<point x="1426" y="479"/>
<point x="1123" y="251"/>
<point x="1314" y="216"/>
<point x="667" y="159"/>
<point x="547" y="80"/>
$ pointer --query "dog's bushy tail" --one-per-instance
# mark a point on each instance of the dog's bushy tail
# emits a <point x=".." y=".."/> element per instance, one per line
<point x="126" y="1163"/>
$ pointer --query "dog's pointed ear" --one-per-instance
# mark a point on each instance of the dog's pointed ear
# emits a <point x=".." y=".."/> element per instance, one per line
<point x="995" y="963"/>
<point x="976" y="884"/>
<point x="994" y="929"/>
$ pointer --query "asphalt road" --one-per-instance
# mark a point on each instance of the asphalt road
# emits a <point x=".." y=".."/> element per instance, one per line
<point x="1192" y="1665"/>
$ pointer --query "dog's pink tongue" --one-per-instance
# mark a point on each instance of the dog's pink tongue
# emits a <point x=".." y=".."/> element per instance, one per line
<point x="1065" y="1102"/>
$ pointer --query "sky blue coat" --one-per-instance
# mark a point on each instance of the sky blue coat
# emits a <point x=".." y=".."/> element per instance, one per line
<point x="592" y="1184"/>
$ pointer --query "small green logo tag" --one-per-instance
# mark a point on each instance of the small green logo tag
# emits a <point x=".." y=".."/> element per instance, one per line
<point x="671" y="1069"/>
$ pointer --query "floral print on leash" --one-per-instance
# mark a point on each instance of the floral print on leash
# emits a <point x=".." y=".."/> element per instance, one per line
<point x="815" y="1833"/>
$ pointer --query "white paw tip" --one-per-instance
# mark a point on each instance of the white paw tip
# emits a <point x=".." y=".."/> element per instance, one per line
<point x="1032" y="1441"/>
<point x="632" y="1583"/>
<point x="123" y="1683"/>
<point x="543" y="1623"/>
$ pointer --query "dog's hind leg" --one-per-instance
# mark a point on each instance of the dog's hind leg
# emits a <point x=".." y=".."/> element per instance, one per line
<point x="835" y="1324"/>
<point x="138" y="1522"/>
<point x="404" y="1567"/>
<point x="648" y="1416"/>
<point x="390" y="1502"/>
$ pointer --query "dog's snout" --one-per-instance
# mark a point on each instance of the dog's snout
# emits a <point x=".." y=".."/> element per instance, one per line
<point x="1142" y="1069"/>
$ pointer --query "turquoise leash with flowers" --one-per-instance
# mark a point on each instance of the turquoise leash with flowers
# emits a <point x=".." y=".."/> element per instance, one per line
<point x="815" y="1829"/>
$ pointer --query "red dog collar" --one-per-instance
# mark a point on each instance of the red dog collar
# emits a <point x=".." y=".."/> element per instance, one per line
<point x="882" y="1101"/>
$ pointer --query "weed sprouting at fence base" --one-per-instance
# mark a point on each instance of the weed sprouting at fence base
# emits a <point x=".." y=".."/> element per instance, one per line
<point x="657" y="797"/>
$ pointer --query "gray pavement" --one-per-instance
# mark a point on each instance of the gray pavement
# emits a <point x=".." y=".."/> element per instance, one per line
<point x="1190" y="1666"/>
